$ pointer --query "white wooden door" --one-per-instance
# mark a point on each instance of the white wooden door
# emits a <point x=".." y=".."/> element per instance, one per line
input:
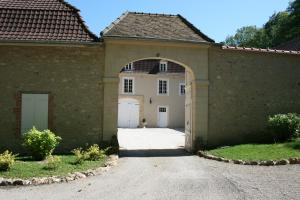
<point x="34" y="112"/>
<point x="162" y="117"/>
<point x="128" y="113"/>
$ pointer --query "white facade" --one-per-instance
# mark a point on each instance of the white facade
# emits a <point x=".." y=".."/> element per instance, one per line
<point x="160" y="97"/>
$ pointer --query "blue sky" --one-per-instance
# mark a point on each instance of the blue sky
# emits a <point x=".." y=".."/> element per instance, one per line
<point x="215" y="18"/>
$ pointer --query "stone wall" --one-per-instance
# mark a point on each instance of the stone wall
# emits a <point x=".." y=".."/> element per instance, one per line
<point x="246" y="87"/>
<point x="71" y="75"/>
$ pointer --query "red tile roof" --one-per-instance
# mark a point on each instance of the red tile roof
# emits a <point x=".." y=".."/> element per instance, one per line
<point x="261" y="50"/>
<point x="155" y="26"/>
<point x="42" y="20"/>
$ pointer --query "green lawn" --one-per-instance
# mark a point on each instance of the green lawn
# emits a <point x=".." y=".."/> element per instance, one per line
<point x="251" y="152"/>
<point x="25" y="168"/>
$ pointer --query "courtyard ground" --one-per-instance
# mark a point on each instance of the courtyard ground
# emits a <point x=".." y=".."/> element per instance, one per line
<point x="171" y="173"/>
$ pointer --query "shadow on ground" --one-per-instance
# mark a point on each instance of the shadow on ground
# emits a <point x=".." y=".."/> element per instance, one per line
<point x="153" y="153"/>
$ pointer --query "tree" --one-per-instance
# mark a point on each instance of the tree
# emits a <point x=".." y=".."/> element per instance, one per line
<point x="276" y="29"/>
<point x="294" y="21"/>
<point x="243" y="37"/>
<point x="280" y="28"/>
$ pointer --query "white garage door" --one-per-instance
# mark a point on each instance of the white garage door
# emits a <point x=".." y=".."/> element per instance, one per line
<point x="128" y="114"/>
<point x="34" y="111"/>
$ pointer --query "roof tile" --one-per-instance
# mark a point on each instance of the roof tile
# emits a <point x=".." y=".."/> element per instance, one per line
<point x="261" y="50"/>
<point x="42" y="20"/>
<point x="154" y="26"/>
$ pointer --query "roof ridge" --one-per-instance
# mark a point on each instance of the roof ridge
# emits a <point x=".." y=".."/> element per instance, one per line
<point x="68" y="5"/>
<point x="80" y="18"/>
<point x="53" y="6"/>
<point x="194" y="28"/>
<point x="154" y="14"/>
<point x="268" y="50"/>
<point x="109" y="27"/>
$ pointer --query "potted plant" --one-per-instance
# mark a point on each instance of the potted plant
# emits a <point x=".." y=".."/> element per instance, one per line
<point x="144" y="122"/>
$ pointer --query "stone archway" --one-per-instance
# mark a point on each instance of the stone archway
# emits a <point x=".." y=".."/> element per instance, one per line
<point x="194" y="57"/>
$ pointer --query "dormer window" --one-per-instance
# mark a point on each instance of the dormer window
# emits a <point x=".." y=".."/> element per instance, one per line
<point x="163" y="66"/>
<point x="129" y="67"/>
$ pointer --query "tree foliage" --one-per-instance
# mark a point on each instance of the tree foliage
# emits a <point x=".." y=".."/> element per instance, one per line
<point x="281" y="27"/>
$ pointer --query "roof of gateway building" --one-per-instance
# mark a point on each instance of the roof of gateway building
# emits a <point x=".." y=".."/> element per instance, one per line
<point x="154" y="26"/>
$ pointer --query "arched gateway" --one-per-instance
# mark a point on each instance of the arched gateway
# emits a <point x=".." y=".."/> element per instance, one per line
<point x="167" y="37"/>
<point x="70" y="80"/>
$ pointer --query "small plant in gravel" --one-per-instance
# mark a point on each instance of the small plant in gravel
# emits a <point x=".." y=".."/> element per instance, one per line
<point x="40" y="144"/>
<point x="284" y="127"/>
<point x="7" y="159"/>
<point x="52" y="162"/>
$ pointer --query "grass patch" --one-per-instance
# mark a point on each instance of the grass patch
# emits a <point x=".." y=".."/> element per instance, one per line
<point x="25" y="167"/>
<point x="251" y="152"/>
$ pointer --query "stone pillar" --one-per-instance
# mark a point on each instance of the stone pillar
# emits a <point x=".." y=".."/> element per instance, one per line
<point x="200" y="114"/>
<point x="110" y="107"/>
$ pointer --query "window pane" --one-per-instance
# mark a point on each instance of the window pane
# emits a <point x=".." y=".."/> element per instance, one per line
<point x="128" y="86"/>
<point x="163" y="87"/>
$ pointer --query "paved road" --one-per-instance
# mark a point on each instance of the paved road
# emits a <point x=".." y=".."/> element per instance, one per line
<point x="172" y="174"/>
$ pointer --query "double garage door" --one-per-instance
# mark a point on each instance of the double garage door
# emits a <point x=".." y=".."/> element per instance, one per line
<point x="128" y="113"/>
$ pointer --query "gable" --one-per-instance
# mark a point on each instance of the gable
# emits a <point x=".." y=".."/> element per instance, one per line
<point x="154" y="26"/>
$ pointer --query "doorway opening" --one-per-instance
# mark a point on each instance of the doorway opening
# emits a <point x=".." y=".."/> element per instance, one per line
<point x="152" y="105"/>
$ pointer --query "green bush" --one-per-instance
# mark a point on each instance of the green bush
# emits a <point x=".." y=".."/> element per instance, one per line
<point x="111" y="147"/>
<point x="284" y="126"/>
<point x="80" y="156"/>
<point x="94" y="153"/>
<point x="7" y="159"/>
<point x="40" y="144"/>
<point x="52" y="162"/>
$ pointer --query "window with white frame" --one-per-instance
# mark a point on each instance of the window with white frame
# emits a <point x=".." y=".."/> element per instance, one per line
<point x="181" y="89"/>
<point x="128" y="67"/>
<point x="163" y="87"/>
<point x="128" y="85"/>
<point x="163" y="66"/>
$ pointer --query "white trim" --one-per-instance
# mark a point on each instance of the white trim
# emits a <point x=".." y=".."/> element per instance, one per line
<point x="133" y="85"/>
<point x="131" y="67"/>
<point x="165" y="63"/>
<point x="180" y="84"/>
<point x="168" y="86"/>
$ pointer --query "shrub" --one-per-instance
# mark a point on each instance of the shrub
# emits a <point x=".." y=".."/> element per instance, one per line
<point x="111" y="147"/>
<point x="94" y="153"/>
<point x="284" y="126"/>
<point x="7" y="159"/>
<point x="52" y="162"/>
<point x="40" y="144"/>
<point x="80" y="156"/>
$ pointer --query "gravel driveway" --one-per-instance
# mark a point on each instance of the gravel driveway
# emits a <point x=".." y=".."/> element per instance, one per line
<point x="172" y="174"/>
